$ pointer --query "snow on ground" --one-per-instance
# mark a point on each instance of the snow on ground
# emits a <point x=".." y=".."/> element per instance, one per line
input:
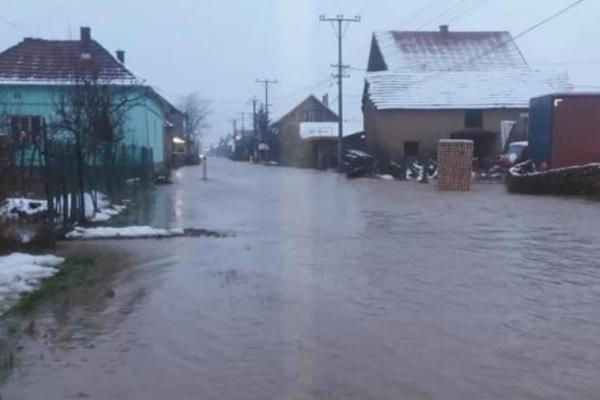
<point x="16" y="206"/>
<point x="106" y="213"/>
<point x="12" y="207"/>
<point x="105" y="210"/>
<point x="22" y="273"/>
<point x="385" y="177"/>
<point x="132" y="232"/>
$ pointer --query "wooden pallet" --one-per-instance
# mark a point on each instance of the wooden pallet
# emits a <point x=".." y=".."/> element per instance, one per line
<point x="455" y="165"/>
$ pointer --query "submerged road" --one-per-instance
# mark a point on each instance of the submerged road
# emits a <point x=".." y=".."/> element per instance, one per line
<point x="330" y="289"/>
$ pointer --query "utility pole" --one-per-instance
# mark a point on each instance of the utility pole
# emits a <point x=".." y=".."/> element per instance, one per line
<point x="234" y="122"/>
<point x="257" y="139"/>
<point x="339" y="20"/>
<point x="254" y="101"/>
<point x="267" y="82"/>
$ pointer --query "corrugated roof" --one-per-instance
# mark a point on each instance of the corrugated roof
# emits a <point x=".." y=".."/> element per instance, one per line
<point x="462" y="90"/>
<point x="58" y="61"/>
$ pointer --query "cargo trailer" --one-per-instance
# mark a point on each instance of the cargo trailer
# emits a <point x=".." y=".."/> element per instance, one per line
<point x="564" y="130"/>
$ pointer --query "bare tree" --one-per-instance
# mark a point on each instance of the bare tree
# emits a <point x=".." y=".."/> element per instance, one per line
<point x="93" y="108"/>
<point x="196" y="110"/>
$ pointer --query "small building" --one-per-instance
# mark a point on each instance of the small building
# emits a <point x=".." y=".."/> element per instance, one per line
<point x="321" y="139"/>
<point x="176" y="154"/>
<point x="421" y="87"/>
<point x="36" y="72"/>
<point x="292" y="150"/>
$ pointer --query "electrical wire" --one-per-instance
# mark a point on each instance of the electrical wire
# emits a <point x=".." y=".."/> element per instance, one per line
<point x="527" y="31"/>
<point x="467" y="11"/>
<point x="416" y="15"/>
<point x="442" y="14"/>
<point x="13" y="25"/>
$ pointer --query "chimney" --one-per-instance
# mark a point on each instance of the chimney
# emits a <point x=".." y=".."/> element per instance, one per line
<point x="86" y="42"/>
<point x="326" y="100"/>
<point x="121" y="56"/>
<point x="444" y="29"/>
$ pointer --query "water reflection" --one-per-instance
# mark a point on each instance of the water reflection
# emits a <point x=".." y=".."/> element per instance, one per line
<point x="334" y="289"/>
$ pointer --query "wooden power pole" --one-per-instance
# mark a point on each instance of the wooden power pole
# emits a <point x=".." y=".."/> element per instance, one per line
<point x="338" y="23"/>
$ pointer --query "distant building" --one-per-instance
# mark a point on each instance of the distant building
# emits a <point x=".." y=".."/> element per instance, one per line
<point x="321" y="139"/>
<point x="292" y="149"/>
<point x="421" y="87"/>
<point x="176" y="147"/>
<point x="35" y="71"/>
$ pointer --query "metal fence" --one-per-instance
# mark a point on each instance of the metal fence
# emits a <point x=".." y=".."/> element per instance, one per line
<point x="105" y="167"/>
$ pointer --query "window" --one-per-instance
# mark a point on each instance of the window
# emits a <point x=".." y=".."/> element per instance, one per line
<point x="312" y="116"/>
<point x="473" y="119"/>
<point x="26" y="128"/>
<point x="411" y="149"/>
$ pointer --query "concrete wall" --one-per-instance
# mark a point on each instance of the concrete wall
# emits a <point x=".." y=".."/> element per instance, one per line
<point x="387" y="130"/>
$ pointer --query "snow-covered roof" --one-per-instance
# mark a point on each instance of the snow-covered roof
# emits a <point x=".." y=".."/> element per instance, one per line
<point x="462" y="89"/>
<point x="454" y="51"/>
<point x="453" y="70"/>
<point x="313" y="130"/>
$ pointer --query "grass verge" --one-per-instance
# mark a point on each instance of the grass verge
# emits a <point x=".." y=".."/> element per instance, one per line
<point x="75" y="272"/>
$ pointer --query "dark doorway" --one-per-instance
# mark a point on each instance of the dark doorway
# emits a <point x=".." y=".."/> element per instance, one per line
<point x="411" y="149"/>
<point x="484" y="143"/>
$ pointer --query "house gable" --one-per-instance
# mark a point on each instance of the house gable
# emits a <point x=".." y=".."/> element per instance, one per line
<point x="311" y="103"/>
<point x="376" y="61"/>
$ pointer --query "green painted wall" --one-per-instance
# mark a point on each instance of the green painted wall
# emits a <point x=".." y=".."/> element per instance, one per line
<point x="145" y="124"/>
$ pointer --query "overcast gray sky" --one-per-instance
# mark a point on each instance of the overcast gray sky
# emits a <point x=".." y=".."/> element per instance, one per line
<point x="218" y="48"/>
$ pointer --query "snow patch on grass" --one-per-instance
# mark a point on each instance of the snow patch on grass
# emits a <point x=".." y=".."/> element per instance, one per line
<point x="132" y="232"/>
<point x="22" y="273"/>
<point x="16" y="206"/>
<point x="13" y="207"/>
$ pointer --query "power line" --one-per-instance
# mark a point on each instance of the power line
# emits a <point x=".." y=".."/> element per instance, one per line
<point x="442" y="14"/>
<point x="306" y="88"/>
<point x="14" y="26"/>
<point x="505" y="42"/>
<point x="418" y="13"/>
<point x="467" y="11"/>
<point x="550" y="18"/>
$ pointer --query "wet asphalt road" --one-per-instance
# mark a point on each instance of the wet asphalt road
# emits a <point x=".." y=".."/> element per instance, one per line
<point x="331" y="289"/>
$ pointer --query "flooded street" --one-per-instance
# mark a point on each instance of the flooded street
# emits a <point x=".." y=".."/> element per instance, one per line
<point x="330" y="289"/>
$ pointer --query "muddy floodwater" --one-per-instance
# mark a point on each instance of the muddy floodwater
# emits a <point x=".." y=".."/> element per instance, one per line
<point x="330" y="289"/>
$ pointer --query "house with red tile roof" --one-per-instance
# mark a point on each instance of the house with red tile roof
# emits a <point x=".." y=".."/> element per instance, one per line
<point x="421" y="87"/>
<point x="35" y="72"/>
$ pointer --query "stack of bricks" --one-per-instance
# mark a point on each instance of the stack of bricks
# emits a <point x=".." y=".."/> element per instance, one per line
<point x="455" y="165"/>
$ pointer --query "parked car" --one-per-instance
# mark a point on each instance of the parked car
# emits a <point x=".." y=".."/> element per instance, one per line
<point x="358" y="163"/>
<point x="517" y="153"/>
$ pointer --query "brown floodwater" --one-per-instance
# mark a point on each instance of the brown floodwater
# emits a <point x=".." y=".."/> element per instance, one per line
<point x="330" y="289"/>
